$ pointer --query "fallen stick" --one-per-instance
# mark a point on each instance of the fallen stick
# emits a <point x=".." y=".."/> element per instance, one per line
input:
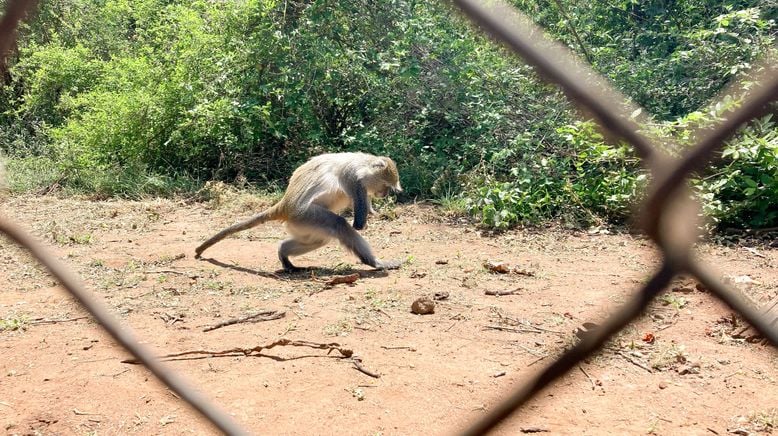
<point x="512" y="329"/>
<point x="398" y="348"/>
<point x="631" y="360"/>
<point x="80" y="413"/>
<point x="498" y="293"/>
<point x="256" y="351"/>
<point x="267" y="315"/>
<point x="55" y="321"/>
<point x="191" y="275"/>
<point x="515" y="321"/>
<point x="557" y="332"/>
<point x="594" y="386"/>
<point x="358" y="364"/>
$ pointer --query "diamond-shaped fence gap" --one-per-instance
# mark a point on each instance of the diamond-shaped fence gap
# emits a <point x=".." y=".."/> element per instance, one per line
<point x="668" y="215"/>
<point x="119" y="333"/>
<point x="15" y="12"/>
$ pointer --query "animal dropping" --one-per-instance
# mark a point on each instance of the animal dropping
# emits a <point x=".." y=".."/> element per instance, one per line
<point x="317" y="192"/>
<point x="423" y="306"/>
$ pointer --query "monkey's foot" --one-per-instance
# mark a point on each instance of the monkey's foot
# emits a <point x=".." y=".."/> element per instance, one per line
<point x="388" y="264"/>
<point x="289" y="268"/>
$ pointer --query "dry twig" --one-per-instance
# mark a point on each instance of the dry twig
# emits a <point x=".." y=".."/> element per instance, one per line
<point x="512" y="329"/>
<point x="80" y="413"/>
<point x="631" y="360"/>
<point x="55" y="321"/>
<point x="191" y="275"/>
<point x="257" y="351"/>
<point x="253" y="351"/>
<point x="594" y="386"/>
<point x="358" y="364"/>
<point x="498" y="293"/>
<point x="266" y="315"/>
<point x="398" y="348"/>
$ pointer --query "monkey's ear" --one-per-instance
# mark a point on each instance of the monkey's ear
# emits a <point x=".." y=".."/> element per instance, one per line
<point x="380" y="163"/>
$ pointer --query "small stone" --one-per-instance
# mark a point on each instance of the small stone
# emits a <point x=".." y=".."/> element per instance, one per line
<point x="440" y="295"/>
<point x="691" y="368"/>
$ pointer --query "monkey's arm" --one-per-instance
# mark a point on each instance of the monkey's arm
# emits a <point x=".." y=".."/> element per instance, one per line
<point x="361" y="206"/>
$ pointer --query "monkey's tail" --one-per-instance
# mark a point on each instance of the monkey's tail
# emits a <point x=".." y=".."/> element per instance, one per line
<point x="260" y="218"/>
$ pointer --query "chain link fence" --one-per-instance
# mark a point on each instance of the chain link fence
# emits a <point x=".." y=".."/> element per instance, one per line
<point x="669" y="215"/>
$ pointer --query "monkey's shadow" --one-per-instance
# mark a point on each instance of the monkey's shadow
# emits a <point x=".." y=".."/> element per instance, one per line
<point x="304" y="273"/>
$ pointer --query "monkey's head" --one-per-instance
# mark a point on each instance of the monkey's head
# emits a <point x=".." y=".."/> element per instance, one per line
<point x="384" y="178"/>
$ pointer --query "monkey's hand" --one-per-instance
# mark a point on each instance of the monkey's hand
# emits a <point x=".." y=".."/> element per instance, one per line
<point x="360" y="225"/>
<point x="387" y="264"/>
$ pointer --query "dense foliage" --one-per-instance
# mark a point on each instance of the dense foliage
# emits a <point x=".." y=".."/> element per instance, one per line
<point x="123" y="97"/>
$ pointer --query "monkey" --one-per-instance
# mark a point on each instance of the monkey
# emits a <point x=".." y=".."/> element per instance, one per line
<point x="317" y="192"/>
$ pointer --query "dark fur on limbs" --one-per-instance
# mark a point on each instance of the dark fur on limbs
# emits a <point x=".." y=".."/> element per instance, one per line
<point x="337" y="227"/>
<point x="361" y="206"/>
<point x="317" y="191"/>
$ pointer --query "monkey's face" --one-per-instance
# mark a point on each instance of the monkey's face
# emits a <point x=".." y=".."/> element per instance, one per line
<point x="386" y="178"/>
<point x="394" y="188"/>
<point x="381" y="193"/>
<point x="386" y="189"/>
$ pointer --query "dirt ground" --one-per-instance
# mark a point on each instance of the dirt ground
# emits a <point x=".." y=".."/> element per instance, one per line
<point x="438" y="372"/>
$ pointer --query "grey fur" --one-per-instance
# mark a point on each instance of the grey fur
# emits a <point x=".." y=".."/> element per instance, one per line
<point x="318" y="190"/>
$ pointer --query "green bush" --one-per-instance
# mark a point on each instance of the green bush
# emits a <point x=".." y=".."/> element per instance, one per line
<point x="30" y="174"/>
<point x="585" y="182"/>
<point x="741" y="188"/>
<point x="121" y="97"/>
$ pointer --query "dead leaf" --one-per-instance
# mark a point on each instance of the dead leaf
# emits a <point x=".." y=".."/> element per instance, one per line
<point x="351" y="278"/>
<point x="505" y="268"/>
<point x="497" y="267"/>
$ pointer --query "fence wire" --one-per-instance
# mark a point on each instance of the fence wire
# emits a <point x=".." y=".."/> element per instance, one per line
<point x="669" y="215"/>
<point x="16" y="10"/>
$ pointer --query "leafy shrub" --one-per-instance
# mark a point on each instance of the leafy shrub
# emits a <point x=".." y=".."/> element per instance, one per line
<point x="586" y="182"/>
<point x="741" y="189"/>
<point x="30" y="174"/>
<point x="141" y="97"/>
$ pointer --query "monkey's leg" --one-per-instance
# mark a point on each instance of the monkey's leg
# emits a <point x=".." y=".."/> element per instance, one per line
<point x="294" y="247"/>
<point x="337" y="227"/>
